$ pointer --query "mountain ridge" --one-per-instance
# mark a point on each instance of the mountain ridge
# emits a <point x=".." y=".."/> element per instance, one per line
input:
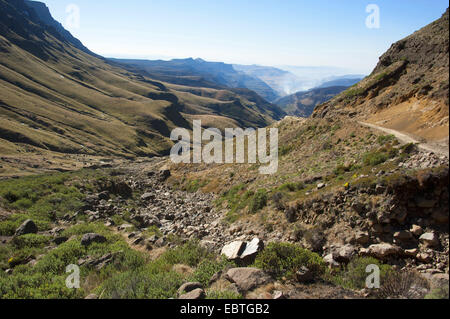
<point x="55" y="97"/>
<point x="408" y="90"/>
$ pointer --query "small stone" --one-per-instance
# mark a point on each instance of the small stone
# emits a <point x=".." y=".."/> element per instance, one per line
<point x="411" y="252"/>
<point x="195" y="294"/>
<point x="91" y="297"/>
<point x="278" y="295"/>
<point x="321" y="185"/>
<point x="188" y="287"/>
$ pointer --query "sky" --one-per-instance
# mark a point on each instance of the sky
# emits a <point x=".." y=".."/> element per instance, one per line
<point x="340" y="33"/>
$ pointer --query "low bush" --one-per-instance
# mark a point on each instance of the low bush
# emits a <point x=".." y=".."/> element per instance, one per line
<point x="354" y="275"/>
<point x="285" y="259"/>
<point x="259" y="201"/>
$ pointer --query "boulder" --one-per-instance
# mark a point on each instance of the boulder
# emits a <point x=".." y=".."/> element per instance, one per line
<point x="233" y="250"/>
<point x="384" y="250"/>
<point x="344" y="254"/>
<point x="247" y="279"/>
<point x="429" y="240"/>
<point x="91" y="238"/>
<point x="251" y="250"/>
<point x="28" y="227"/>
<point x="195" y="294"/>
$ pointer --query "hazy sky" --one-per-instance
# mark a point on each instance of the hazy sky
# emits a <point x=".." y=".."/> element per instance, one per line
<point x="266" y="32"/>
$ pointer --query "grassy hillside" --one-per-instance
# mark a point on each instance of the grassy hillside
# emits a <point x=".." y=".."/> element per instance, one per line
<point x="55" y="97"/>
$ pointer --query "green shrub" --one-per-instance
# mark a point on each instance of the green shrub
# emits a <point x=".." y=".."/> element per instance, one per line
<point x="223" y="294"/>
<point x="141" y="284"/>
<point x="375" y="158"/>
<point x="285" y="259"/>
<point x="383" y="139"/>
<point x="292" y="187"/>
<point x="354" y="276"/>
<point x="190" y="254"/>
<point x="259" y="201"/>
<point x="30" y="240"/>
<point x="207" y="268"/>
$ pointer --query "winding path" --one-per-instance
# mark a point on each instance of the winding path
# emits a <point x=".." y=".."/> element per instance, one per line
<point x="440" y="148"/>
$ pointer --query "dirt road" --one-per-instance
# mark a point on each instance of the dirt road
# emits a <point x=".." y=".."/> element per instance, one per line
<point x="440" y="148"/>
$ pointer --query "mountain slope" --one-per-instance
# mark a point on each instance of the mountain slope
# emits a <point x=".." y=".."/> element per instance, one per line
<point x="408" y="90"/>
<point x="199" y="73"/>
<point x="303" y="103"/>
<point x="57" y="97"/>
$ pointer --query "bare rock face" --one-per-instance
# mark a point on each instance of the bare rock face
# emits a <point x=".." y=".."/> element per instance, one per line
<point x="247" y="278"/>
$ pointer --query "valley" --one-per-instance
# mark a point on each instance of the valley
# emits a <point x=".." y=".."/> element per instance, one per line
<point x="86" y="177"/>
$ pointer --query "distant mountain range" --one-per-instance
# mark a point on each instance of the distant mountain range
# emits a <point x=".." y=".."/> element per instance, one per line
<point x="199" y="73"/>
<point x="303" y="103"/>
<point x="57" y="96"/>
<point x="269" y="82"/>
